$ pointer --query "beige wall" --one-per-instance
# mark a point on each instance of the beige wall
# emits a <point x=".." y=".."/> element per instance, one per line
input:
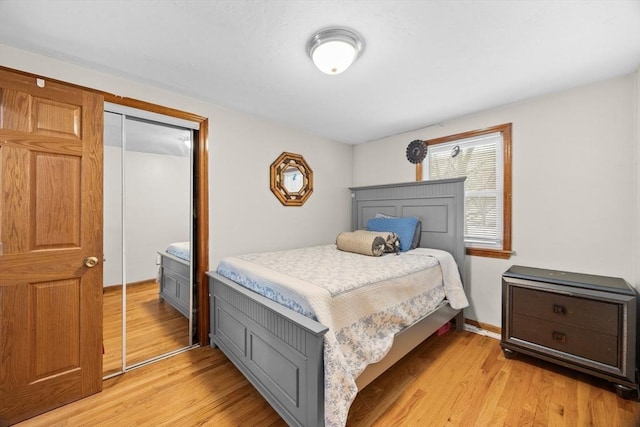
<point x="575" y="206"/>
<point x="575" y="184"/>
<point x="244" y="214"/>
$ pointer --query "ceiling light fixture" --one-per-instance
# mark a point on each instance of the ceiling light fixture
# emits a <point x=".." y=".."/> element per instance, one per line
<point x="334" y="49"/>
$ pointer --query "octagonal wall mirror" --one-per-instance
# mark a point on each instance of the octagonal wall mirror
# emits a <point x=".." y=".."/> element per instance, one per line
<point x="291" y="179"/>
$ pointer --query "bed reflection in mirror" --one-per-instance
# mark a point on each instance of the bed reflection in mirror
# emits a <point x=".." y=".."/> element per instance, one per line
<point x="147" y="235"/>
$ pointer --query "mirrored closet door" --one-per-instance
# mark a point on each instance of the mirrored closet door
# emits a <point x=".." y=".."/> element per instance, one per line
<point x="148" y="228"/>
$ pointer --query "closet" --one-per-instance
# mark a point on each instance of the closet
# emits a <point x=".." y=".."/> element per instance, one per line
<point x="148" y="296"/>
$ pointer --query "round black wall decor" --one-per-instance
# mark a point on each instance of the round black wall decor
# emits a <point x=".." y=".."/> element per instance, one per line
<point x="416" y="151"/>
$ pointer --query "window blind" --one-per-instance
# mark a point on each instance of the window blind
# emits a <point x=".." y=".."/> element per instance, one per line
<point x="480" y="159"/>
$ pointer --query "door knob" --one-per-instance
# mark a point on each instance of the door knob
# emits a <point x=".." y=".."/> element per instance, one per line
<point x="91" y="261"/>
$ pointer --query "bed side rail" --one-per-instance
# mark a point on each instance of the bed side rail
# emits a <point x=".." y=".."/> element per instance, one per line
<point x="278" y="350"/>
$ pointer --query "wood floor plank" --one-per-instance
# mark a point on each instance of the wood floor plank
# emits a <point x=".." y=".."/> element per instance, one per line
<point x="154" y="327"/>
<point x="458" y="379"/>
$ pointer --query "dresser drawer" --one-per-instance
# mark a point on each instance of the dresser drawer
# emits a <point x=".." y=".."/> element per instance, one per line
<point x="598" y="316"/>
<point x="580" y="342"/>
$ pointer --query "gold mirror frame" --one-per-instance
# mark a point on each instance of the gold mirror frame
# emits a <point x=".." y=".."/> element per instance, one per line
<point x="285" y="164"/>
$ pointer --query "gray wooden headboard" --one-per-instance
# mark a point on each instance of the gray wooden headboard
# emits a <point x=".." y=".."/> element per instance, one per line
<point x="438" y="204"/>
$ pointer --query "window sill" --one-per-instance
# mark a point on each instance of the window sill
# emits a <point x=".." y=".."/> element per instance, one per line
<point x="489" y="253"/>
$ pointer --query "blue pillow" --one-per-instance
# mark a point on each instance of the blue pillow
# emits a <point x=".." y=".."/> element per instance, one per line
<point x="405" y="228"/>
<point x="418" y="233"/>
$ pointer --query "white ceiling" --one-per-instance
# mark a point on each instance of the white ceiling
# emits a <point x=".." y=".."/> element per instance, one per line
<point x="424" y="61"/>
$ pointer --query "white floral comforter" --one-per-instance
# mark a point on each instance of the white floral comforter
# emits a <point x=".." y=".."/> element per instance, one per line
<point x="364" y="301"/>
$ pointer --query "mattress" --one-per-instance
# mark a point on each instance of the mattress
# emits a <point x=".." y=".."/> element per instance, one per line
<point x="181" y="250"/>
<point x="364" y="301"/>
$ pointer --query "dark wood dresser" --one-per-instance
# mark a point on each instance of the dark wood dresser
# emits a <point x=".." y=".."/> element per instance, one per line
<point x="581" y="321"/>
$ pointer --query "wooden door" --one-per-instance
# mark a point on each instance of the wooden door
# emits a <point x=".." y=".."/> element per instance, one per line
<point x="51" y="158"/>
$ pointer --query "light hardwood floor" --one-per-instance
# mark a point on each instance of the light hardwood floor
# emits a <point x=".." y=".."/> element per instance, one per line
<point x="154" y="327"/>
<point x="457" y="379"/>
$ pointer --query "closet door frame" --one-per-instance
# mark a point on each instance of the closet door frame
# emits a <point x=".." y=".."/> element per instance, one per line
<point x="201" y="205"/>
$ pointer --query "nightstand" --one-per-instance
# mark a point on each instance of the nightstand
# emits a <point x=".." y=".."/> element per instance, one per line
<point x="581" y="321"/>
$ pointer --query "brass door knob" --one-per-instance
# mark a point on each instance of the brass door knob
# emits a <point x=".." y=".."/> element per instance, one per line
<point x="91" y="261"/>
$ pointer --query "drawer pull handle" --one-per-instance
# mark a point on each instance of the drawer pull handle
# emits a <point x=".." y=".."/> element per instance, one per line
<point x="559" y="309"/>
<point x="559" y="336"/>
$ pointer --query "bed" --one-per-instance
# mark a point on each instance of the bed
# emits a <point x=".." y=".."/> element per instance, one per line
<point x="174" y="276"/>
<point x="282" y="351"/>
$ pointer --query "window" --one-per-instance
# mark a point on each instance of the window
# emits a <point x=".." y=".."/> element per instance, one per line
<point x="484" y="157"/>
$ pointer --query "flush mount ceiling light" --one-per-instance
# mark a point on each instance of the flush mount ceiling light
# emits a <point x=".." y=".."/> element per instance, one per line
<point x="334" y="49"/>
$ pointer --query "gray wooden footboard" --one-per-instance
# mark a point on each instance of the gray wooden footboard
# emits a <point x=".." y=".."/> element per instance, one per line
<point x="281" y="352"/>
<point x="175" y="282"/>
<point x="278" y="350"/>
